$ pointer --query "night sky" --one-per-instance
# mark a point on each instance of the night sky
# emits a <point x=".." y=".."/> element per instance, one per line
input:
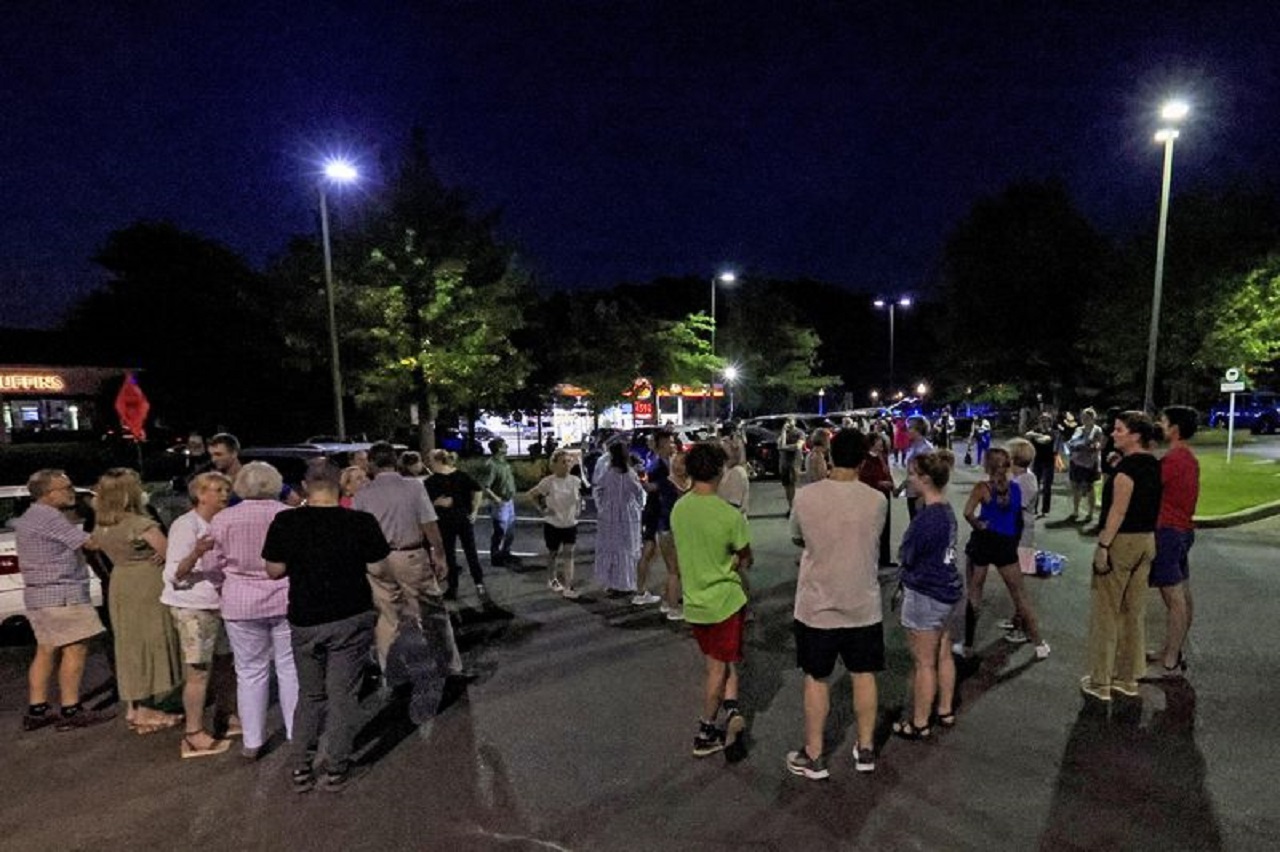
<point x="622" y="140"/>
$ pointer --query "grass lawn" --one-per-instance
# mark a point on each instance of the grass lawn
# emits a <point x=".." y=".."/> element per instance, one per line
<point x="1247" y="481"/>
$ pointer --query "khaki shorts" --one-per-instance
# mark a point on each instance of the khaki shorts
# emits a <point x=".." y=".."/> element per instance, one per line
<point x="200" y="635"/>
<point x="59" y="626"/>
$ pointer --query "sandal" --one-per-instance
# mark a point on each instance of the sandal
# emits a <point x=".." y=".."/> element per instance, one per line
<point x="947" y="720"/>
<point x="190" y="749"/>
<point x="304" y="779"/>
<point x="908" y="729"/>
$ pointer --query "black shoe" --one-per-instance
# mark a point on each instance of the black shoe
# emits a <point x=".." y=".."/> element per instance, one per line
<point x="85" y="719"/>
<point x="464" y="675"/>
<point x="709" y="740"/>
<point x="35" y="723"/>
<point x="335" y="782"/>
<point x="304" y="779"/>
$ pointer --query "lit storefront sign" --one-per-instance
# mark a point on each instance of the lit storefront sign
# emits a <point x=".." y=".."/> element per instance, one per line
<point x="32" y="383"/>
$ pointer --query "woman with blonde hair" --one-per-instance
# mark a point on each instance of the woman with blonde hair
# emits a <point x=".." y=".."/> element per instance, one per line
<point x="352" y="480"/>
<point x="818" y="463"/>
<point x="456" y="498"/>
<point x="148" y="661"/>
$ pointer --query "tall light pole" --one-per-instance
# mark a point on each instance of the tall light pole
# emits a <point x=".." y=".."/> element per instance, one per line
<point x="1171" y="112"/>
<point x="892" y="305"/>
<point x="722" y="278"/>
<point x="730" y="376"/>
<point x="335" y="171"/>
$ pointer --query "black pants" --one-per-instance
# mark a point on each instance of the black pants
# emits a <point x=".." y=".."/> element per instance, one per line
<point x="1044" y="475"/>
<point x="452" y="532"/>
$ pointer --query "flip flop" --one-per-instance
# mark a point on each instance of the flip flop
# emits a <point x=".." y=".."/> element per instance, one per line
<point x="190" y="749"/>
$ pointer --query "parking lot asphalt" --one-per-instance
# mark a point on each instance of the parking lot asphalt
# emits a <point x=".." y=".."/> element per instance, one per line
<point x="577" y="736"/>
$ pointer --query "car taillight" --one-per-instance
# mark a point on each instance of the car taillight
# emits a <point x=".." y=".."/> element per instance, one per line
<point x="9" y="564"/>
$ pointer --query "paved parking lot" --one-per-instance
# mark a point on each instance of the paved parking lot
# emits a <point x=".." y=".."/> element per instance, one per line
<point x="577" y="737"/>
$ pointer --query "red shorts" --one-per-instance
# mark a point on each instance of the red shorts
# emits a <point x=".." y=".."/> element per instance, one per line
<point x="722" y="641"/>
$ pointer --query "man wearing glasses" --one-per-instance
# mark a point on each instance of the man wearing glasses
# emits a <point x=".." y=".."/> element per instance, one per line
<point x="56" y="597"/>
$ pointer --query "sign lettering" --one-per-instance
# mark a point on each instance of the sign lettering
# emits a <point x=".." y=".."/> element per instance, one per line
<point x="31" y="382"/>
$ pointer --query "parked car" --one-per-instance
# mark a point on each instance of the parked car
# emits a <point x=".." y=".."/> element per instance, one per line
<point x="761" y="447"/>
<point x="14" y="500"/>
<point x="1258" y="411"/>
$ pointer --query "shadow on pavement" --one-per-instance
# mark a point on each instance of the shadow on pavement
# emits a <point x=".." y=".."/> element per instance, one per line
<point x="1123" y="786"/>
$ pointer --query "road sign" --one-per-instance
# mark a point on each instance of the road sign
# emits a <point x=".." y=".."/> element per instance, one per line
<point x="1233" y="374"/>
<point x="1232" y="387"/>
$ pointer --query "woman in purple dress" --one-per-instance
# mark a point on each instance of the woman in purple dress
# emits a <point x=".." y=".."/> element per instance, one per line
<point x="619" y="499"/>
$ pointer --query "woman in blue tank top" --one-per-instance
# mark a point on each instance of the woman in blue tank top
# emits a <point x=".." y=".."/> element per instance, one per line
<point x="994" y="511"/>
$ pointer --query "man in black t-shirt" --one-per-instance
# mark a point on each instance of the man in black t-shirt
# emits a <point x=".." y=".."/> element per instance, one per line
<point x="324" y="550"/>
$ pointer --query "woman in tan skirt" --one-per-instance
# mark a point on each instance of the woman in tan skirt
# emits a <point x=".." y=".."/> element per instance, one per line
<point x="148" y="662"/>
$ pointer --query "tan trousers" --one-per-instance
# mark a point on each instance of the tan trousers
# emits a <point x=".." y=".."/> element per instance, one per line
<point x="406" y="587"/>
<point x="1117" y="638"/>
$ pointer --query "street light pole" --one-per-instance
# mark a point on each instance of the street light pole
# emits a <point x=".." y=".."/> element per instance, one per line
<point x="905" y="302"/>
<point x="335" y="170"/>
<point x="722" y="278"/>
<point x="1172" y="111"/>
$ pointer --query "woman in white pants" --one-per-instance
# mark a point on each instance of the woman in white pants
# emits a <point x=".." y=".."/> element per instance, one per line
<point x="254" y="606"/>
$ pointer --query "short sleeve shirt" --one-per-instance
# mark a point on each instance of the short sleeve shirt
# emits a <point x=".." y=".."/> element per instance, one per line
<point x="326" y="552"/>
<point x="199" y="588"/>
<point x="1144" y="504"/>
<point x="1180" y="478"/>
<point x="563" y="498"/>
<point x="400" y="505"/>
<point x="708" y="532"/>
<point x="53" y="570"/>
<point x="838" y="584"/>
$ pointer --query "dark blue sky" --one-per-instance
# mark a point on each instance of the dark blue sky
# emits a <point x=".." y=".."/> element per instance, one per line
<point x="622" y="140"/>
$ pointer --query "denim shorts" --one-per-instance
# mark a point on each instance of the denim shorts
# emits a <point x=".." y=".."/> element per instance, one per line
<point x="921" y="612"/>
<point x="1170" y="567"/>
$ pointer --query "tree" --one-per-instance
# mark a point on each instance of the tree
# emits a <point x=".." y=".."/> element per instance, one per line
<point x="1018" y="273"/>
<point x="1246" y="331"/>
<point x="205" y="327"/>
<point x="1215" y="238"/>
<point x="435" y="300"/>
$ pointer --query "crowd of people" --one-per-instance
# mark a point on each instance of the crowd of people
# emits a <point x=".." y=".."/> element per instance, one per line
<point x="255" y="581"/>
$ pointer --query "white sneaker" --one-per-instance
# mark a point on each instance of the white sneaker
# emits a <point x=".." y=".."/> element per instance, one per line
<point x="1042" y="651"/>
<point x="664" y="608"/>
<point x="571" y="593"/>
<point x="1016" y="637"/>
<point x="555" y="585"/>
<point x="675" y="613"/>
<point x="645" y="599"/>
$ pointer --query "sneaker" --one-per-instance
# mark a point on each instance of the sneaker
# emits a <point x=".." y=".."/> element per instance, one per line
<point x="1016" y="637"/>
<point x="645" y="599"/>
<point x="1007" y="625"/>
<point x="251" y="753"/>
<point x="1102" y="693"/>
<point x="675" y="613"/>
<point x="555" y="585"/>
<point x="35" y="723"/>
<point x="303" y="778"/>
<point x="571" y="593"/>
<point x="800" y="763"/>
<point x="335" y="782"/>
<point x="1042" y="651"/>
<point x="664" y="607"/>
<point x="1128" y="689"/>
<point x="864" y="758"/>
<point x="734" y="724"/>
<point x="708" y="741"/>
<point x="85" y="719"/>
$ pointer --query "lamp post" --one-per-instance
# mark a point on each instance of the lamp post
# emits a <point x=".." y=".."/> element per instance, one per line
<point x="723" y="278"/>
<point x="730" y="376"/>
<point x="1171" y="112"/>
<point x="335" y="171"/>
<point x="892" y="305"/>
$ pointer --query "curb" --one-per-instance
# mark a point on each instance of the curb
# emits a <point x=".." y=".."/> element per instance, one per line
<point x="1235" y="519"/>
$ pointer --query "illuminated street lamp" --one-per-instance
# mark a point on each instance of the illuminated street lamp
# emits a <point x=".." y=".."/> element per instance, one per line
<point x="730" y="376"/>
<point x="892" y="305"/>
<point x="722" y="278"/>
<point x="875" y="397"/>
<point x="336" y="172"/>
<point x="1171" y="112"/>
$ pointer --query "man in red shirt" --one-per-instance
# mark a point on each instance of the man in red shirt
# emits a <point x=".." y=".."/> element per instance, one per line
<point x="1175" y="533"/>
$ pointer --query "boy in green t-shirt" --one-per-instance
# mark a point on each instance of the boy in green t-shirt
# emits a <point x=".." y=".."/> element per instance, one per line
<point x="713" y="546"/>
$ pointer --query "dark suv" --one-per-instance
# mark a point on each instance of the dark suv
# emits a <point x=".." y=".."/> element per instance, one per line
<point x="1258" y="411"/>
